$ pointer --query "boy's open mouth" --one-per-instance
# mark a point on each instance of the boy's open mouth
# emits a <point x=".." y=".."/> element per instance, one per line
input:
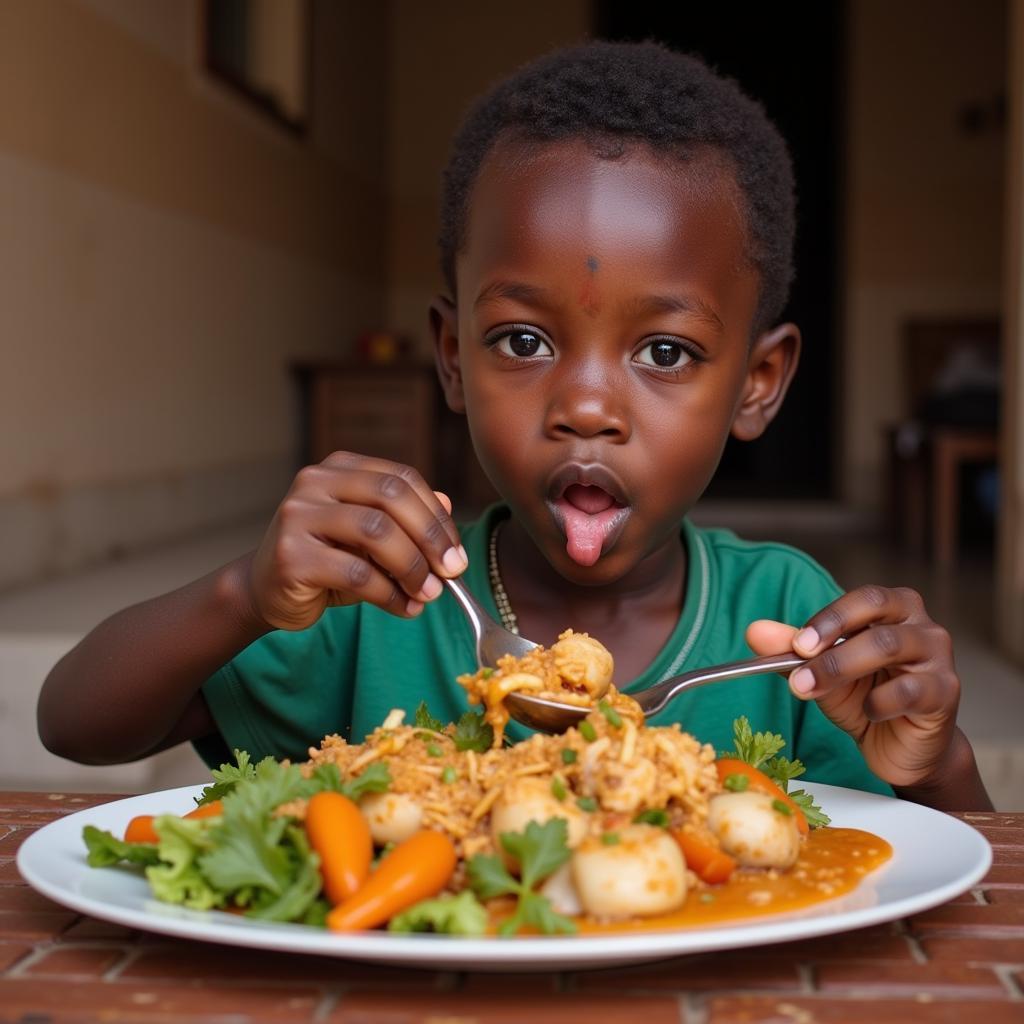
<point x="588" y="505"/>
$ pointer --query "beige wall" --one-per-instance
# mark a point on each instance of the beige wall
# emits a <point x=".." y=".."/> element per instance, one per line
<point x="164" y="254"/>
<point x="444" y="53"/>
<point x="923" y="199"/>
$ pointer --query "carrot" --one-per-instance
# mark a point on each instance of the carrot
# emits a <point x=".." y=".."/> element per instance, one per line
<point x="760" y="783"/>
<point x="416" y="869"/>
<point x="704" y="858"/>
<point x="140" y="829"/>
<point x="338" y="832"/>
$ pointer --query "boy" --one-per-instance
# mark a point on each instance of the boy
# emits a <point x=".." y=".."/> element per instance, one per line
<point x="617" y="229"/>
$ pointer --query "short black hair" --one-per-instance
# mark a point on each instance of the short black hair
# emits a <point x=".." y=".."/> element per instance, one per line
<point x="617" y="94"/>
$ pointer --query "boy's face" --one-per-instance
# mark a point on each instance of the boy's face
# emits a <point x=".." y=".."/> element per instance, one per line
<point x="601" y="346"/>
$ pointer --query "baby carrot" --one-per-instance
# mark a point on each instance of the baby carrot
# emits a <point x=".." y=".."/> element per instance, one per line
<point x="760" y="783"/>
<point x="416" y="869"/>
<point x="140" y="829"/>
<point x="704" y="858"/>
<point x="338" y="832"/>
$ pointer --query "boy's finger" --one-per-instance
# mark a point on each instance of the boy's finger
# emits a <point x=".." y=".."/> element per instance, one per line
<point x="445" y="500"/>
<point x="374" y="535"/>
<point x="351" y="575"/>
<point x="347" y="460"/>
<point x="919" y="693"/>
<point x="855" y="611"/>
<point x="865" y="654"/>
<point x="766" y="636"/>
<point x="428" y="526"/>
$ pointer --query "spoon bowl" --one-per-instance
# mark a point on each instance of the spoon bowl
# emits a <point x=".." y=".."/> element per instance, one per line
<point x="553" y="717"/>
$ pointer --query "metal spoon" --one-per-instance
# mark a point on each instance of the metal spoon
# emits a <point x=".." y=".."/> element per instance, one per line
<point x="553" y="717"/>
<point x="492" y="640"/>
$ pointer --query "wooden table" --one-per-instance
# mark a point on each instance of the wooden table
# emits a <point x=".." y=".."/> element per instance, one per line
<point x="961" y="962"/>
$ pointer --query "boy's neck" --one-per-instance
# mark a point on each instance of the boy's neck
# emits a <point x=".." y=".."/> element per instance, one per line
<point x="633" y="617"/>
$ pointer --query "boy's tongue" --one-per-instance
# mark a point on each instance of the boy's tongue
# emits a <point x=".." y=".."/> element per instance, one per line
<point x="588" y="514"/>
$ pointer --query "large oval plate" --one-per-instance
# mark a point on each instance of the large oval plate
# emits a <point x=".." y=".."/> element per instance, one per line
<point x="935" y="858"/>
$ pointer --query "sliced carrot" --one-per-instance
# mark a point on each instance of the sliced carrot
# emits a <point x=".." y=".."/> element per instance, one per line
<point x="704" y="858"/>
<point x="338" y="832"/>
<point x="214" y="809"/>
<point x="140" y="830"/>
<point x="416" y="869"/>
<point x="760" y="783"/>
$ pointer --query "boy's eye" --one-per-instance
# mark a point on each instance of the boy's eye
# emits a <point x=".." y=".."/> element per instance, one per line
<point x="663" y="352"/>
<point x="522" y="344"/>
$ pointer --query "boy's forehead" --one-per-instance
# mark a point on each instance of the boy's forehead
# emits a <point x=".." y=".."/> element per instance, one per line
<point x="556" y="200"/>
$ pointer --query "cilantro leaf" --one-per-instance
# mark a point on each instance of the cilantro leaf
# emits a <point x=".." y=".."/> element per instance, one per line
<point x="536" y="910"/>
<point x="448" y="915"/>
<point x="754" y="747"/>
<point x="489" y="877"/>
<point x="106" y="849"/>
<point x="425" y="720"/>
<point x="375" y="779"/>
<point x="815" y="816"/>
<point x="781" y="770"/>
<point x="227" y="777"/>
<point x="473" y="733"/>
<point x="540" y="849"/>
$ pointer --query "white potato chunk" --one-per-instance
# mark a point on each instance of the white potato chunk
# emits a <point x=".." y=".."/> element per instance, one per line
<point x="751" y="829"/>
<point x="530" y="799"/>
<point x="584" y="662"/>
<point x="392" y="817"/>
<point x="643" y="873"/>
<point x="561" y="892"/>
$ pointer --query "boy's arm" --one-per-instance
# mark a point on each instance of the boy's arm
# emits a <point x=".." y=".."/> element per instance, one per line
<point x="957" y="783"/>
<point x="132" y="686"/>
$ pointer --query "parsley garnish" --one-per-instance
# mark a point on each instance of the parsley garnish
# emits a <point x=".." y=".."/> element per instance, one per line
<point x="425" y="720"/>
<point x="473" y="733"/>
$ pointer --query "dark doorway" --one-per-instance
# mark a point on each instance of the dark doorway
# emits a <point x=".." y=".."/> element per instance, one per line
<point x="789" y="56"/>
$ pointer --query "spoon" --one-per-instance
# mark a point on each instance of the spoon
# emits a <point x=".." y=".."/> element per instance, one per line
<point x="551" y="716"/>
<point x="492" y="640"/>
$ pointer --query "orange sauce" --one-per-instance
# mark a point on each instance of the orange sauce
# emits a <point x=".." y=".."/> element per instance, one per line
<point x="832" y="862"/>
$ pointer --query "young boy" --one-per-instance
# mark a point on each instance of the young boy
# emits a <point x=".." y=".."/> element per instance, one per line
<point x="617" y="228"/>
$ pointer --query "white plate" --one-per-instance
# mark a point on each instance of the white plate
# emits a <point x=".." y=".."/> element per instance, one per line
<point x="935" y="857"/>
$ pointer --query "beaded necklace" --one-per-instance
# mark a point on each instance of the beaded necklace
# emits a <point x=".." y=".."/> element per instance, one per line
<point x="508" y="617"/>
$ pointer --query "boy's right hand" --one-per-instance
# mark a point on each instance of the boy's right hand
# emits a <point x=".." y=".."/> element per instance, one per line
<point x="354" y="528"/>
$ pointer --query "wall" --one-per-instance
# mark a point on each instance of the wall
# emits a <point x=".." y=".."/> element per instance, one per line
<point x="444" y="53"/>
<point x="923" y="199"/>
<point x="164" y="253"/>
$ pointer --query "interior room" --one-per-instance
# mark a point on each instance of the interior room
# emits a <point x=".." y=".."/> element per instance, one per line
<point x="218" y="249"/>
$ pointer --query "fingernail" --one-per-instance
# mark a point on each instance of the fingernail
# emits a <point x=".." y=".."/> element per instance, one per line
<point x="413" y="607"/>
<point x="454" y="560"/>
<point x="807" y="639"/>
<point x="802" y="680"/>
<point x="432" y="586"/>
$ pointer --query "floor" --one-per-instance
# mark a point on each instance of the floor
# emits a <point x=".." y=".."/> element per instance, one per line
<point x="38" y="624"/>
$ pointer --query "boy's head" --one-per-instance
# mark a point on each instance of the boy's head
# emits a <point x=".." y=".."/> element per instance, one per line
<point x="620" y="95"/>
<point x="617" y="229"/>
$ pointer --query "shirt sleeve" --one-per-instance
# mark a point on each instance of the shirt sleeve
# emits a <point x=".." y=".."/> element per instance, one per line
<point x="285" y="691"/>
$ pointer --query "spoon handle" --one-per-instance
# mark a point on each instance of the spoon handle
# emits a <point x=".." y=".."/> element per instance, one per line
<point x="656" y="697"/>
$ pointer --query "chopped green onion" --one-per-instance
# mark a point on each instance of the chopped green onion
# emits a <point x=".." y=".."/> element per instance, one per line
<point x="487" y="673"/>
<point x="449" y="775"/>
<point x="736" y="783"/>
<point x="568" y="756"/>
<point x="611" y="838"/>
<point x="707" y="897"/>
<point x="653" y="817"/>
<point x="558" y="790"/>
<point x="782" y="808"/>
<point x="611" y="715"/>
<point x="587" y="731"/>
<point x="434" y="750"/>
<point x="586" y="803"/>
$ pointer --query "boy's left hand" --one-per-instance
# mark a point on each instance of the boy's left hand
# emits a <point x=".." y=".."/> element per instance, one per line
<point x="891" y="685"/>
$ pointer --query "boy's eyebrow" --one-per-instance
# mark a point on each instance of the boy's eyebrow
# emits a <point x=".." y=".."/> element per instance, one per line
<point x="691" y="304"/>
<point x="509" y="290"/>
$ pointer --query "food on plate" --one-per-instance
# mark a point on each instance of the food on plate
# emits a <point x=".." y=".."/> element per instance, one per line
<point x="431" y="827"/>
<point x="576" y="669"/>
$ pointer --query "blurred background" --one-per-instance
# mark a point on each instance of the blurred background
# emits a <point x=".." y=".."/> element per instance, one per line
<point x="217" y="224"/>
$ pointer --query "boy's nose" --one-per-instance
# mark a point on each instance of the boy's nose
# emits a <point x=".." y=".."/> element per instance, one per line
<point x="589" y="412"/>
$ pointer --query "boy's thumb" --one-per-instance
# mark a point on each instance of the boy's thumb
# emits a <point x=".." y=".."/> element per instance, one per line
<point x="766" y="636"/>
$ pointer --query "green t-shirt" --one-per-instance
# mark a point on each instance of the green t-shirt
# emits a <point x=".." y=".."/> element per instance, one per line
<point x="287" y="690"/>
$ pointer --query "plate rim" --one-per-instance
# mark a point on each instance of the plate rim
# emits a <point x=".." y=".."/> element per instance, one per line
<point x="476" y="953"/>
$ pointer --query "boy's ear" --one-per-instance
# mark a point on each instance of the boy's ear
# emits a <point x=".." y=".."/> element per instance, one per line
<point x="444" y="326"/>
<point x="770" y="368"/>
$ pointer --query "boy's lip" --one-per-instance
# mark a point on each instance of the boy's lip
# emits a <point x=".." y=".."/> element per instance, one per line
<point x="591" y="474"/>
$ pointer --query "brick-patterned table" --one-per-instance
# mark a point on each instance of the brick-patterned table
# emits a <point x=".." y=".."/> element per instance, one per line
<point x="961" y="963"/>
